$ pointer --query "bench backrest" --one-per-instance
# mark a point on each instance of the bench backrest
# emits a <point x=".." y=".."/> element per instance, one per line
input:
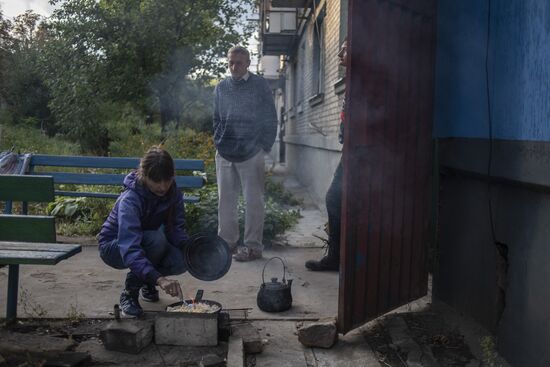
<point x="100" y="178"/>
<point x="26" y="228"/>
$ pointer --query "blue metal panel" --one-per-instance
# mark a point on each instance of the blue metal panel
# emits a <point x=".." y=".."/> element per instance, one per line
<point x="107" y="162"/>
<point x="519" y="75"/>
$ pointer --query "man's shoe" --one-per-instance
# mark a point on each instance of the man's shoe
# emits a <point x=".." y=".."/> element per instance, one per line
<point x="149" y="293"/>
<point x="325" y="264"/>
<point x="129" y="304"/>
<point x="233" y="248"/>
<point x="247" y="254"/>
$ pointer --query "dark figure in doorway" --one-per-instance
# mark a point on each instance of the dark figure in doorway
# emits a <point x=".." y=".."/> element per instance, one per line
<point x="331" y="261"/>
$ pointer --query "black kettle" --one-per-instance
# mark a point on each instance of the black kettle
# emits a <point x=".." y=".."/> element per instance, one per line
<point x="275" y="296"/>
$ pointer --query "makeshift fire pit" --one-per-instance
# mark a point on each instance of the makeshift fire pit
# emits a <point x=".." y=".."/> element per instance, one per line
<point x="189" y="322"/>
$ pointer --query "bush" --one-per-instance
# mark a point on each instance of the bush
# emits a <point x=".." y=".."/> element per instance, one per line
<point x="132" y="137"/>
<point x="81" y="215"/>
<point x="203" y="216"/>
<point x="26" y="139"/>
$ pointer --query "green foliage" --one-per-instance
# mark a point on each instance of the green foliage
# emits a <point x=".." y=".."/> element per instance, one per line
<point x="132" y="137"/>
<point x="277" y="192"/>
<point x="31" y="308"/>
<point x="203" y="216"/>
<point x="30" y="140"/>
<point x="74" y="315"/>
<point x="22" y="88"/>
<point x="158" y="56"/>
<point x="490" y="356"/>
<point x="81" y="215"/>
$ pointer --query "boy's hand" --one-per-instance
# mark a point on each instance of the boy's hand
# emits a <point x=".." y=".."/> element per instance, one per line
<point x="171" y="287"/>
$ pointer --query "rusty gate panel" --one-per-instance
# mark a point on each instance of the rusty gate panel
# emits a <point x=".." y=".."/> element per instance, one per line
<point x="387" y="158"/>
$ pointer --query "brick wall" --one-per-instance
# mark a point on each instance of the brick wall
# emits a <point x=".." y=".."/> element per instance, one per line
<point x="312" y="121"/>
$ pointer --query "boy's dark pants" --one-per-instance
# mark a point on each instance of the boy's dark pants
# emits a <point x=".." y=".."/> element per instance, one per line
<point x="334" y="210"/>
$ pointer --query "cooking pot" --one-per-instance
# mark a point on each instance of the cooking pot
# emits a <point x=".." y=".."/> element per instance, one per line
<point x="275" y="296"/>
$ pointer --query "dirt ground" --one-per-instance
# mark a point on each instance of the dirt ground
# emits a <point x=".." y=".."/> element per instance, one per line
<point x="430" y="332"/>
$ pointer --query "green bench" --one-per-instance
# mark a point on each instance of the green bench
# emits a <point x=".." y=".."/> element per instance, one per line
<point x="92" y="171"/>
<point x="27" y="239"/>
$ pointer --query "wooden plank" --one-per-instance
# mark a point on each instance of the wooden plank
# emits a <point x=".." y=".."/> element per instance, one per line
<point x="419" y="274"/>
<point x="387" y="137"/>
<point x="15" y="252"/>
<point x="8" y="257"/>
<point x="107" y="162"/>
<point x="36" y="246"/>
<point x="27" y="228"/>
<point x="112" y="179"/>
<point x="408" y="66"/>
<point x="393" y="59"/>
<point x="26" y="188"/>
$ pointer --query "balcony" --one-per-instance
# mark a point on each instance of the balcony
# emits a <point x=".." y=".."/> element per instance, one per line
<point x="278" y="27"/>
<point x="288" y="3"/>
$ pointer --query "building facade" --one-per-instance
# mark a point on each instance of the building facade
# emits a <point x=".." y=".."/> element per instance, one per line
<point x="492" y="124"/>
<point x="304" y="38"/>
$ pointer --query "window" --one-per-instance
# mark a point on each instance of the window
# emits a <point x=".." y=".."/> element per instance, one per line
<point x="300" y="77"/>
<point x="343" y="31"/>
<point x="318" y="54"/>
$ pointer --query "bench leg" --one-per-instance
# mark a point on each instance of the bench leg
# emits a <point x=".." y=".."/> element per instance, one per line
<point x="13" y="284"/>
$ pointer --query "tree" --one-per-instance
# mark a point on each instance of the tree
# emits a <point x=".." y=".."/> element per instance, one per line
<point x="144" y="52"/>
<point x="23" y="89"/>
<point x="5" y="44"/>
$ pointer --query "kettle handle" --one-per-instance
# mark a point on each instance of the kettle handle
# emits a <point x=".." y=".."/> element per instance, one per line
<point x="284" y="268"/>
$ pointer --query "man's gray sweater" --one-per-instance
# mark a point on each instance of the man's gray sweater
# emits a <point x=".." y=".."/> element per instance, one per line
<point x="245" y="119"/>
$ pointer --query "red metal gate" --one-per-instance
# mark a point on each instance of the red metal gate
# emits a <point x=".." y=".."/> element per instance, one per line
<point x="387" y="157"/>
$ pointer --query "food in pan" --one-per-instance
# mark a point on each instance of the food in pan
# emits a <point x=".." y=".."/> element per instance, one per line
<point x="199" y="307"/>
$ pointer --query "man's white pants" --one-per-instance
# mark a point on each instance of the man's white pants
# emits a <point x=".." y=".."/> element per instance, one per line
<point x="231" y="176"/>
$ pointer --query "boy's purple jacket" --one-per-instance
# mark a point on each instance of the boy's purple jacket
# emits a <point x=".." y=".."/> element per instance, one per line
<point x="136" y="210"/>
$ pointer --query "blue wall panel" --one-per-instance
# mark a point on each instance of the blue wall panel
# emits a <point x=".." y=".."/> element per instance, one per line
<point x="519" y="69"/>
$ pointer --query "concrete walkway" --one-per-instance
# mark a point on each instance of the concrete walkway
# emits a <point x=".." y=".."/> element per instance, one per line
<point x="84" y="285"/>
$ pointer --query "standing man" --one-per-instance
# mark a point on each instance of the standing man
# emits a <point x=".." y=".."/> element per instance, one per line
<point x="245" y="125"/>
<point x="331" y="261"/>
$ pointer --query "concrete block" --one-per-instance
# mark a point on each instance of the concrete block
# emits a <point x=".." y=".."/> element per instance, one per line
<point x="250" y="335"/>
<point x="235" y="352"/>
<point x="127" y="335"/>
<point x="190" y="329"/>
<point x="212" y="360"/>
<point x="320" y="334"/>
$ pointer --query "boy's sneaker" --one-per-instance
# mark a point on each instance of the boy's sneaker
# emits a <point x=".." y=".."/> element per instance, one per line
<point x="129" y="304"/>
<point x="149" y="293"/>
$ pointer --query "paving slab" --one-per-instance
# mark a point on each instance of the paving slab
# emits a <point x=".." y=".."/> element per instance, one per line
<point x="235" y="352"/>
<point x="153" y="355"/>
<point x="351" y="350"/>
<point x="282" y="349"/>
